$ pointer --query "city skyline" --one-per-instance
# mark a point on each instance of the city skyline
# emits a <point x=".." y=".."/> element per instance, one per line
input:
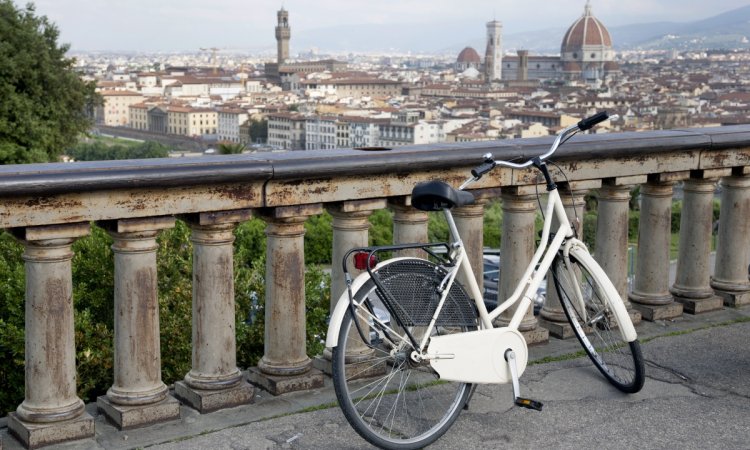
<point x="137" y="25"/>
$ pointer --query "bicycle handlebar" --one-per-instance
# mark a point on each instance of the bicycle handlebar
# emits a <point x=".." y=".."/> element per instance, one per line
<point x="584" y="124"/>
<point x="589" y="122"/>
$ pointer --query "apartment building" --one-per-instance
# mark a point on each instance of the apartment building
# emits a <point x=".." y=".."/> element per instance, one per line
<point x="342" y="134"/>
<point x="229" y="121"/>
<point x="320" y="133"/>
<point x="189" y="121"/>
<point x="286" y="131"/>
<point x="363" y="131"/>
<point x="115" y="108"/>
<point x="138" y="116"/>
<point x="352" y="87"/>
<point x="548" y="119"/>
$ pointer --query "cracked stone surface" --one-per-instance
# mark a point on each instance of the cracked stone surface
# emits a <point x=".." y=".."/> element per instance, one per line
<point x="696" y="396"/>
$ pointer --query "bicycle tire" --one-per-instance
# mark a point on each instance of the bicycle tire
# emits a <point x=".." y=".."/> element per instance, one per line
<point x="620" y="362"/>
<point x="389" y="400"/>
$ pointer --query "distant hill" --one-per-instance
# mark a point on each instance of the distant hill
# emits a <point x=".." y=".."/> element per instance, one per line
<point x="723" y="31"/>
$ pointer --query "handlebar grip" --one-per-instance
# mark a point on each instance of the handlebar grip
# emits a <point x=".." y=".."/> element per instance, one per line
<point x="477" y="172"/>
<point x="589" y="122"/>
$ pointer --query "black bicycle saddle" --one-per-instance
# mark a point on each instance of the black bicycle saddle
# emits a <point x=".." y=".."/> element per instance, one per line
<point x="438" y="195"/>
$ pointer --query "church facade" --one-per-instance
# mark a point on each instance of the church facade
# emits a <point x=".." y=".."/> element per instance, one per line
<point x="586" y="54"/>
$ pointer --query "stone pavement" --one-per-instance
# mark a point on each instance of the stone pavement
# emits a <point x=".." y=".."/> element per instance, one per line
<point x="697" y="396"/>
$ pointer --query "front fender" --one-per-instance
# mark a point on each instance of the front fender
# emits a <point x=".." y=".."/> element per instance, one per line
<point x="332" y="338"/>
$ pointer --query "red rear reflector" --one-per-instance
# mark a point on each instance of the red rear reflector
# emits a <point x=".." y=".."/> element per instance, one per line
<point x="360" y="260"/>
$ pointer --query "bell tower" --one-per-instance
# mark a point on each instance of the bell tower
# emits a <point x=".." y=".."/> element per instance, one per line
<point x="283" y="33"/>
<point x="493" y="56"/>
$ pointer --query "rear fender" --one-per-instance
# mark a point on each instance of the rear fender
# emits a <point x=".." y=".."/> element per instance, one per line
<point x="337" y="317"/>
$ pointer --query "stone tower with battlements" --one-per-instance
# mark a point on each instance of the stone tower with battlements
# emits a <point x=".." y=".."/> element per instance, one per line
<point x="283" y="34"/>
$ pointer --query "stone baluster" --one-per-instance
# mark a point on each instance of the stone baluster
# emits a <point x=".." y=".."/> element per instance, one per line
<point x="285" y="366"/>
<point x="552" y="315"/>
<point x="138" y="397"/>
<point x="650" y="293"/>
<point x="51" y="411"/>
<point x="611" y="245"/>
<point x="350" y="230"/>
<point x="409" y="225"/>
<point x="516" y="251"/>
<point x="692" y="283"/>
<point x="470" y="224"/>
<point x="214" y="381"/>
<point x="730" y="279"/>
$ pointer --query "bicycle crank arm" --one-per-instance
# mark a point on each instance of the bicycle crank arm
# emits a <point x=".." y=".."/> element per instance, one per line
<point x="510" y="356"/>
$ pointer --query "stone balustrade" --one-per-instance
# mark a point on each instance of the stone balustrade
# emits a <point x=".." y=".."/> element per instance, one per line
<point x="48" y="206"/>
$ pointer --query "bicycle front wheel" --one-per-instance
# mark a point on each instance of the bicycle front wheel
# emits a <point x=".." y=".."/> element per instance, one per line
<point x="595" y="324"/>
<point x="391" y="400"/>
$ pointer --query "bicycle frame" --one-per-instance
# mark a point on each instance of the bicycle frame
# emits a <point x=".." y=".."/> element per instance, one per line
<point x="532" y="277"/>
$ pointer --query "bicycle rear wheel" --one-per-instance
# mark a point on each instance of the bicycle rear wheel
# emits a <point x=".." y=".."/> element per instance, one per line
<point x="388" y="398"/>
<point x="595" y="324"/>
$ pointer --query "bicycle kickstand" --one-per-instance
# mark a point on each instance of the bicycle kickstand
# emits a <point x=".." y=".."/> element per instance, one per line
<point x="510" y="356"/>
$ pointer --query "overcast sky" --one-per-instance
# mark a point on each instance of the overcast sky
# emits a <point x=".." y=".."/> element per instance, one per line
<point x="166" y="25"/>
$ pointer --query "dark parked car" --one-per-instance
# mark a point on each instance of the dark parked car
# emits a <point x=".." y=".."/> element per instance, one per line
<point x="491" y="274"/>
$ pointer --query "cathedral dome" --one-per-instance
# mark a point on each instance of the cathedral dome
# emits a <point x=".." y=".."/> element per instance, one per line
<point x="469" y="56"/>
<point x="468" y="59"/>
<point x="586" y="50"/>
<point x="586" y="31"/>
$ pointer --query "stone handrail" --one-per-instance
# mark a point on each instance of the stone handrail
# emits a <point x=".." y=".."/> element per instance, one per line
<point x="48" y="206"/>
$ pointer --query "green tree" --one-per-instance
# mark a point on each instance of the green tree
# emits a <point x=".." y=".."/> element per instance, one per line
<point x="44" y="102"/>
<point x="259" y="130"/>
<point x="101" y="151"/>
<point x="231" y="148"/>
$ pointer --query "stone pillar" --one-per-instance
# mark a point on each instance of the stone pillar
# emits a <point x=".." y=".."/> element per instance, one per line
<point x="516" y="251"/>
<point x="214" y="382"/>
<point x="409" y="225"/>
<point x="285" y="366"/>
<point x="470" y="224"/>
<point x="730" y="279"/>
<point x="350" y="230"/>
<point x="612" y="239"/>
<point x="138" y="397"/>
<point x="651" y="294"/>
<point x="51" y="411"/>
<point x="552" y="315"/>
<point x="692" y="284"/>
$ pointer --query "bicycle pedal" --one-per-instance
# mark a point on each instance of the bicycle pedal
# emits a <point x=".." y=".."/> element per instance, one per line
<point x="528" y="403"/>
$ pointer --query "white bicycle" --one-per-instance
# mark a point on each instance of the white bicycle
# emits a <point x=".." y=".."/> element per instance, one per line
<point x="409" y="343"/>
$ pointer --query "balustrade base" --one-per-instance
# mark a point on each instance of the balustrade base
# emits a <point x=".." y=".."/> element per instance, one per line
<point x="323" y="363"/>
<point x="700" y="305"/>
<point x="635" y="316"/>
<point x="206" y="401"/>
<point x="536" y="336"/>
<point x="652" y="313"/>
<point x="734" y="299"/>
<point x="279" y="384"/>
<point x="128" y="417"/>
<point x="35" y="435"/>
<point x="560" y="330"/>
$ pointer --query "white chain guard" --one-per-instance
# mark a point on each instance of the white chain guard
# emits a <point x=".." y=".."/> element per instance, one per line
<point x="477" y="356"/>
